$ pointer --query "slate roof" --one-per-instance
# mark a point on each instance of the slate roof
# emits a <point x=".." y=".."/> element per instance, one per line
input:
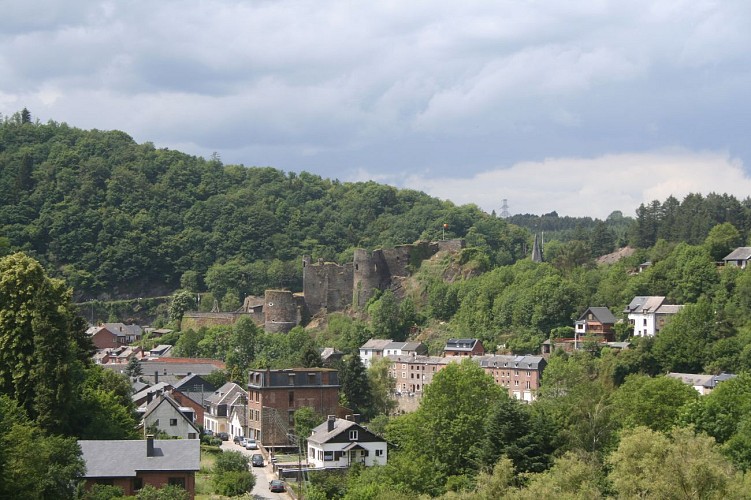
<point x="644" y="304"/>
<point x="116" y="458"/>
<point x="460" y="344"/>
<point x="123" y="329"/>
<point x="699" y="379"/>
<point x="601" y="314"/>
<point x="160" y="387"/>
<point x="376" y="344"/>
<point x="504" y="360"/>
<point x="164" y="399"/>
<point x="740" y="253"/>
<point x="226" y="394"/>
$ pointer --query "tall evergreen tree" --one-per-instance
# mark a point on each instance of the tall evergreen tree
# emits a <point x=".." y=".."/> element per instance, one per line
<point x="355" y="386"/>
<point x="41" y="339"/>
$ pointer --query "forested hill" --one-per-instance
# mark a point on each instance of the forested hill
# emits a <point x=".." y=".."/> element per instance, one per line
<point x="113" y="216"/>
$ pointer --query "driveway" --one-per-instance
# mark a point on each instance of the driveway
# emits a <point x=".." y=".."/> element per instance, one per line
<point x="263" y="475"/>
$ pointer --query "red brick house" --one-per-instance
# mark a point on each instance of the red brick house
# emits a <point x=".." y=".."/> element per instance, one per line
<point x="274" y="396"/>
<point x="463" y="347"/>
<point x="133" y="464"/>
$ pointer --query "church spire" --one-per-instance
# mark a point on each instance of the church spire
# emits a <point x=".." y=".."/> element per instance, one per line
<point x="537" y="251"/>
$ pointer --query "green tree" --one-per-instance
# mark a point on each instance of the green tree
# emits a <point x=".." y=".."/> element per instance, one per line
<point x="385" y="318"/>
<point x="231" y="475"/>
<point x="306" y="419"/>
<point x="181" y="302"/>
<point x="35" y="465"/>
<point x="381" y="387"/>
<point x="133" y="369"/>
<point x="452" y="410"/>
<point x="243" y="343"/>
<point x="656" y="402"/>
<point x="683" y="343"/>
<point x="721" y="240"/>
<point x="648" y="464"/>
<point x="41" y="340"/>
<point x="168" y="492"/>
<point x="510" y="430"/>
<point x="355" y="386"/>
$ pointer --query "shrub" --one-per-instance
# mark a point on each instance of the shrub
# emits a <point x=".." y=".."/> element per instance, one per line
<point x="234" y="483"/>
<point x="103" y="492"/>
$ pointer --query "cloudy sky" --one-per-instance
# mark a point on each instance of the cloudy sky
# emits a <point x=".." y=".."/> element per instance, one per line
<point x="583" y="107"/>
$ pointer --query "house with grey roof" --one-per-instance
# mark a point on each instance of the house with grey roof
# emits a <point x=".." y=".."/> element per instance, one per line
<point x="703" y="384"/>
<point x="519" y="375"/>
<point x="130" y="333"/>
<point x="739" y="257"/>
<point x="596" y="322"/>
<point x="649" y="314"/>
<point x="218" y="407"/>
<point x="339" y="443"/>
<point x="463" y="347"/>
<point x="404" y="349"/>
<point x="164" y="414"/>
<point x="372" y="350"/>
<point x="133" y="464"/>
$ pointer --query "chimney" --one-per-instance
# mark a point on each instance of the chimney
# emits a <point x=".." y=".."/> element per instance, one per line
<point x="348" y="417"/>
<point x="156" y="376"/>
<point x="356" y="418"/>
<point x="149" y="395"/>
<point x="150" y="445"/>
<point x="331" y="422"/>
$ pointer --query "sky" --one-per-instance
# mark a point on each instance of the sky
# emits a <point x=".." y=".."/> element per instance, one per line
<point x="582" y="107"/>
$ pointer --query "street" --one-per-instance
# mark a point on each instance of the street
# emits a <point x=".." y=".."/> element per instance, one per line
<point x="263" y="474"/>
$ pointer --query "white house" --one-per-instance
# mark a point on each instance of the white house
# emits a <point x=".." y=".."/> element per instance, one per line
<point x="648" y="315"/>
<point x="339" y="443"/>
<point x="703" y="384"/>
<point x="372" y="350"/>
<point x="218" y="407"/>
<point x="739" y="257"/>
<point x="164" y="414"/>
<point x="404" y="349"/>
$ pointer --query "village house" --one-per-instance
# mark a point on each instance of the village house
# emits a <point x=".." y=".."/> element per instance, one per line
<point x="274" y="396"/>
<point x="648" y="315"/>
<point x="339" y="443"/>
<point x="218" y="407"/>
<point x="463" y="347"/>
<point x="596" y="322"/>
<point x="519" y="375"/>
<point x="165" y="415"/>
<point x="703" y="384"/>
<point x="405" y="349"/>
<point x="413" y="373"/>
<point x="192" y="391"/>
<point x="133" y="464"/>
<point x="739" y="257"/>
<point x="372" y="350"/>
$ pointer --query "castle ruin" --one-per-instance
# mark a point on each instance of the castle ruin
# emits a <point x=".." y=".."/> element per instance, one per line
<point x="329" y="287"/>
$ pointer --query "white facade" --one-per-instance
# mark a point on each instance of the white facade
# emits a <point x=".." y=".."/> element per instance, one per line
<point x="345" y="444"/>
<point x="165" y="417"/>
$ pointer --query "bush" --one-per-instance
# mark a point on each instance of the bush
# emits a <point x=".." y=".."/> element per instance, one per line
<point x="234" y="483"/>
<point x="231" y="461"/>
<point x="170" y="492"/>
<point x="103" y="492"/>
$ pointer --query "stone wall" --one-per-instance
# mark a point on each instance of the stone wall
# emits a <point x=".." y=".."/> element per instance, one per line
<point x="327" y="286"/>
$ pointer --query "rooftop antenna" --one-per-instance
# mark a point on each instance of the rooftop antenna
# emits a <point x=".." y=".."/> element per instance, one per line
<point x="504" y="209"/>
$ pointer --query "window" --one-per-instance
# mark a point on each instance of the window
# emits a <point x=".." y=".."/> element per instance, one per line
<point x="516" y="383"/>
<point x="137" y="483"/>
<point x="528" y="385"/>
<point x="291" y="397"/>
<point x="645" y="321"/>
<point x="173" y="422"/>
<point x="176" y="481"/>
<point x="404" y="374"/>
<point x="404" y="366"/>
<point x="353" y="435"/>
<point x="365" y="453"/>
<point x="191" y="435"/>
<point x="379" y="453"/>
<point x="328" y="456"/>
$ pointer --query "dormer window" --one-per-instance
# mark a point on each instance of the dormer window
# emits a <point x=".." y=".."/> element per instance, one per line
<point x="353" y="435"/>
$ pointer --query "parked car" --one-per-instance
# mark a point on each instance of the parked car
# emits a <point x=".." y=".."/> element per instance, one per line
<point x="238" y="440"/>
<point x="277" y="486"/>
<point x="250" y="444"/>
<point x="257" y="460"/>
<point x="223" y="436"/>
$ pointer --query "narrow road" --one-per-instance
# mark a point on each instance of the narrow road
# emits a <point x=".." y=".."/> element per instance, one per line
<point x="263" y="474"/>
